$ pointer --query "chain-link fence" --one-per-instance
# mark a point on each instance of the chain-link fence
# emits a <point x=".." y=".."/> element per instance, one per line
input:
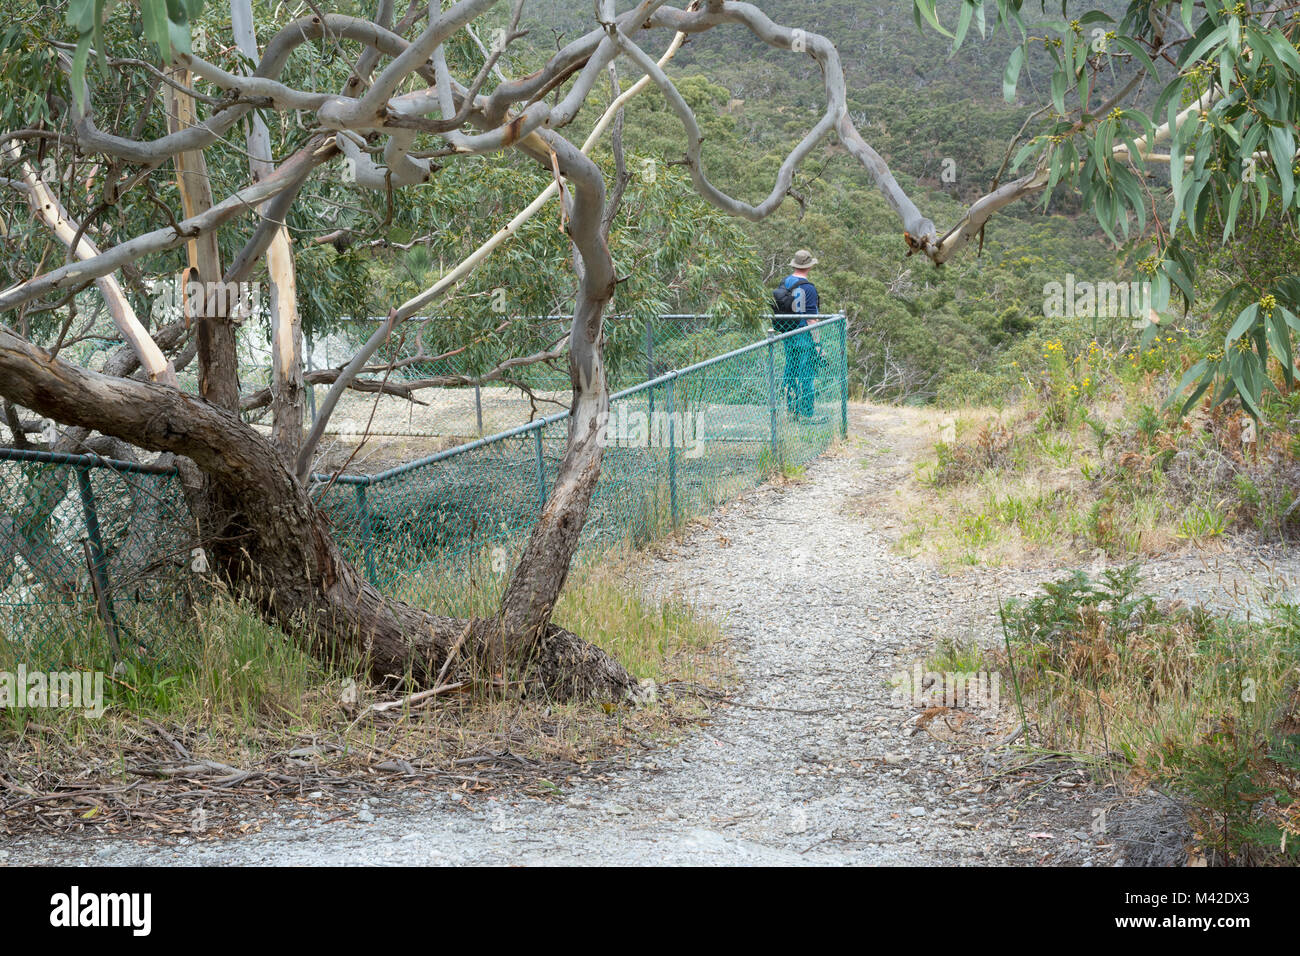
<point x="87" y="542"/>
<point x="675" y="446"/>
<point x="465" y="349"/>
<point x="636" y="348"/>
<point x="480" y="399"/>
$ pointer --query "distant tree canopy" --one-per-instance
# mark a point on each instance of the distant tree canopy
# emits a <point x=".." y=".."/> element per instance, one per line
<point x="357" y="250"/>
<point x="1209" y="160"/>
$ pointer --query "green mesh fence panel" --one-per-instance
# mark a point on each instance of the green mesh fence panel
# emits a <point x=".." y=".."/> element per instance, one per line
<point x="636" y="349"/>
<point x="66" y="517"/>
<point x="676" y="446"/>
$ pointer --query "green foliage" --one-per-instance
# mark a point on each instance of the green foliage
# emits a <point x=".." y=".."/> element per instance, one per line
<point x="1231" y="170"/>
<point x="1227" y="775"/>
<point x="944" y="131"/>
<point x="165" y="23"/>
<point x="672" y="251"/>
<point x="940" y="108"/>
<point x="1055" y="616"/>
<point x="1206" y="705"/>
<point x="957" y="655"/>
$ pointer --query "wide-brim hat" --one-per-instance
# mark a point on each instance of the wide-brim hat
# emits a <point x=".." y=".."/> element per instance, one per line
<point x="803" y="259"/>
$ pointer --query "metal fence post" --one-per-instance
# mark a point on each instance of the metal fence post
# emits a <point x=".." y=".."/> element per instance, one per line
<point x="98" y="561"/>
<point x="672" y="452"/>
<point x="478" y="408"/>
<point x="541" y="468"/>
<point x="732" y="373"/>
<point x="367" y="538"/>
<point x="844" y="377"/>
<point x="650" y="361"/>
<point x="771" y="392"/>
<point x="311" y="389"/>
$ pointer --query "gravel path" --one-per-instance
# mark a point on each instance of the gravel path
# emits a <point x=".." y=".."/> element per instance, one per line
<point x="815" y="761"/>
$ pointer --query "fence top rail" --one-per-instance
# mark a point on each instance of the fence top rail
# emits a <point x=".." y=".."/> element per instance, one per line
<point x="97" y="461"/>
<point x="675" y="316"/>
<point x="83" y="461"/>
<point x="442" y="455"/>
<point x="734" y="353"/>
<point x="824" y="318"/>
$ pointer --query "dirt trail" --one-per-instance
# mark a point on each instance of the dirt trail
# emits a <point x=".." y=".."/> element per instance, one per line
<point x="814" y="761"/>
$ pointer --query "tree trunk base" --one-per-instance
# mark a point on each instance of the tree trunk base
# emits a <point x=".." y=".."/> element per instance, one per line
<point x="570" y="668"/>
<point x="399" y="642"/>
<point x="265" y="536"/>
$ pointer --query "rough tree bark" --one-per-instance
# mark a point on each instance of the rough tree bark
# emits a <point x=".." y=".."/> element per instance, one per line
<point x="275" y="544"/>
<point x="292" y="568"/>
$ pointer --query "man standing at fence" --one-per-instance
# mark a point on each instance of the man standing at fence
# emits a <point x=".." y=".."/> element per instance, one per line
<point x="795" y="299"/>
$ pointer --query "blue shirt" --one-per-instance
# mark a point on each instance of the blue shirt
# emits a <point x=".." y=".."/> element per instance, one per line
<point x="804" y="298"/>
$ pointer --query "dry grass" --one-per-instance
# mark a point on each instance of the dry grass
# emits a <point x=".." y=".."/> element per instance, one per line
<point x="235" y="693"/>
<point x="1003" y="487"/>
<point x="1155" y="691"/>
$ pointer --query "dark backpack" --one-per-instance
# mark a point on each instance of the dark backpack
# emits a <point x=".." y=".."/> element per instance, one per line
<point x="787" y="320"/>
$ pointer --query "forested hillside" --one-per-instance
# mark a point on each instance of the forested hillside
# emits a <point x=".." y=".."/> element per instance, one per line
<point x="939" y="119"/>
<point x="941" y="123"/>
<point x="1038" y="568"/>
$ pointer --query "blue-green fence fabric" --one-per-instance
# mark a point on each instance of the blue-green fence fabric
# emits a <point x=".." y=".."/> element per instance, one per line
<point x="636" y="349"/>
<point x="134" y="523"/>
<point x="675" y="447"/>
<point x="730" y="431"/>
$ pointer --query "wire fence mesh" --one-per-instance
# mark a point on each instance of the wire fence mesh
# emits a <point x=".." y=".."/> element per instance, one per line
<point x="78" y="528"/>
<point x="464" y="350"/>
<point x="478" y="398"/>
<point x="675" y="446"/>
<point x="636" y="348"/>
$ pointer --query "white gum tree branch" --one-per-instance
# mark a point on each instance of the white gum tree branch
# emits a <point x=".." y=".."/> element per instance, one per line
<point x="587" y="56"/>
<point x="919" y="231"/>
<point x="47" y="208"/>
<point x="1164" y="131"/>
<point x="286" y="324"/>
<point x="1035" y="181"/>
<point x="466" y="266"/>
<point x="317" y="151"/>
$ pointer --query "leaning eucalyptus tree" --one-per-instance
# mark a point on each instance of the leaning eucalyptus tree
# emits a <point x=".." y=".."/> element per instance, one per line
<point x="425" y="91"/>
